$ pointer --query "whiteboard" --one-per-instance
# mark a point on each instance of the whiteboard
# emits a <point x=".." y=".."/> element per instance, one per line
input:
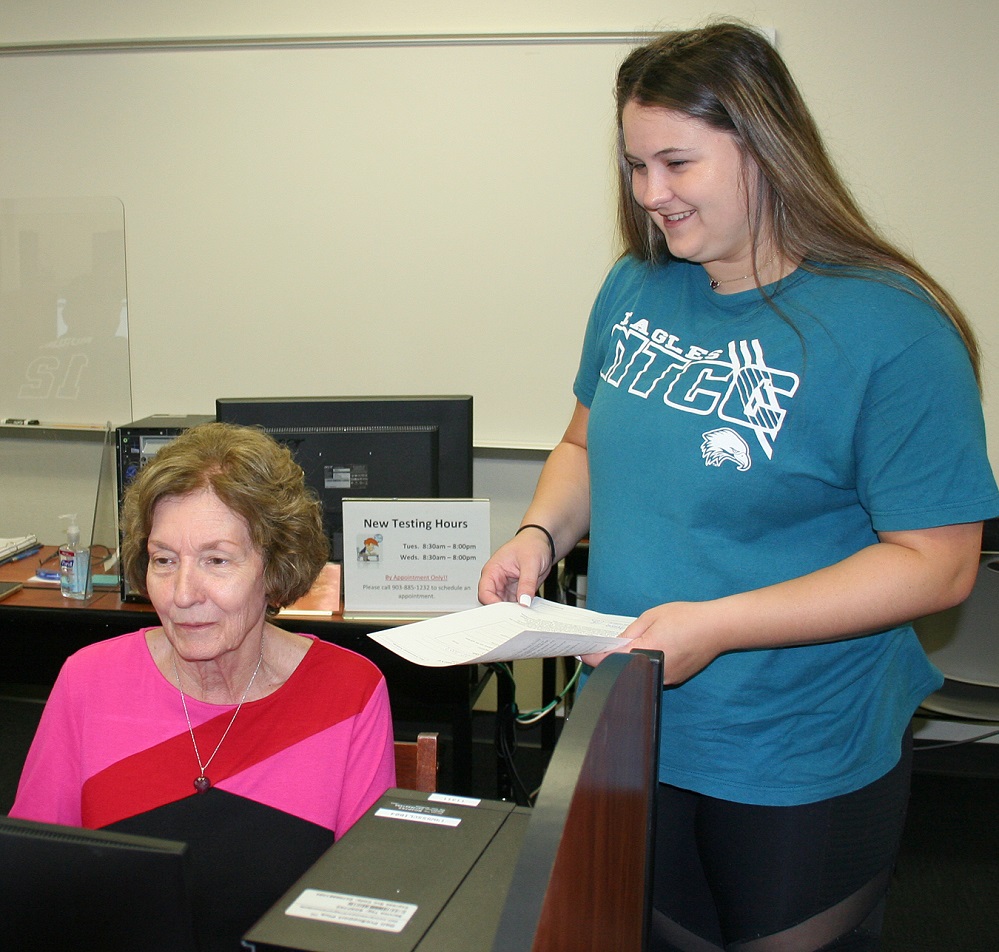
<point x="320" y="220"/>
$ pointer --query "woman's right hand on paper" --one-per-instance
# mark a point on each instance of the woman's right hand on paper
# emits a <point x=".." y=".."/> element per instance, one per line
<point x="516" y="569"/>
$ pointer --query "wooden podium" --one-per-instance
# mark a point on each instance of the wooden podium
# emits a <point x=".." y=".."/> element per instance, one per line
<point x="443" y="874"/>
<point x="583" y="877"/>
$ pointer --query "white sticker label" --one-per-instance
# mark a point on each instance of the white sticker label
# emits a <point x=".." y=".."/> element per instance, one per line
<point x="453" y="799"/>
<point x="432" y="818"/>
<point x="343" y="909"/>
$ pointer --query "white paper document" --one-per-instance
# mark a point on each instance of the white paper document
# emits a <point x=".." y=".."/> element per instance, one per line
<point x="505" y="631"/>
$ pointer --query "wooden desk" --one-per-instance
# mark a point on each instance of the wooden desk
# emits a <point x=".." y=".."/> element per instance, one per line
<point x="40" y="629"/>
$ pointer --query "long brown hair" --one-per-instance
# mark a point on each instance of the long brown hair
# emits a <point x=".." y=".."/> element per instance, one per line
<point x="730" y="77"/>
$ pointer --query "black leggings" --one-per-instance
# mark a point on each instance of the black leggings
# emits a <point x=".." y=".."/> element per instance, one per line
<point x="746" y="878"/>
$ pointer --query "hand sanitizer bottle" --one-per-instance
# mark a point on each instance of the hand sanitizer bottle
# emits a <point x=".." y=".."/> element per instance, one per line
<point x="75" y="580"/>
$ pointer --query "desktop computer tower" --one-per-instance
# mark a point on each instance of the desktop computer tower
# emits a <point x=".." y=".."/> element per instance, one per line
<point x="137" y="443"/>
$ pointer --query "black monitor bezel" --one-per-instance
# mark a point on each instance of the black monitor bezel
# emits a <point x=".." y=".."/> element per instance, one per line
<point x="450" y="415"/>
<point x="58" y="876"/>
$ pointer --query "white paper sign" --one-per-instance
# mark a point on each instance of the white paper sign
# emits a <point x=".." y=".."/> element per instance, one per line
<point x="430" y="818"/>
<point x="413" y="556"/>
<point x="365" y="912"/>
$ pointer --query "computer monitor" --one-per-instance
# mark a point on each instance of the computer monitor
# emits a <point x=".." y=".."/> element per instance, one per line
<point x="68" y="888"/>
<point x="408" y="447"/>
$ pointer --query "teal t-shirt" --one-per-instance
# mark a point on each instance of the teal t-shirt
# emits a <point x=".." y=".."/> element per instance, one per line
<point x="733" y="447"/>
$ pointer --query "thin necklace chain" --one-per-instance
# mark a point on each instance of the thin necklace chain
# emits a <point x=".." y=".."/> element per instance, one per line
<point x="714" y="285"/>
<point x="183" y="700"/>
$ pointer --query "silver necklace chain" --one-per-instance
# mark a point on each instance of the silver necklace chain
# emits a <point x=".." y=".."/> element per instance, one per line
<point x="202" y="782"/>
<point x="714" y="285"/>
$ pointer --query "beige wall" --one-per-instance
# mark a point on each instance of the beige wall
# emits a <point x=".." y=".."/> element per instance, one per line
<point x="905" y="93"/>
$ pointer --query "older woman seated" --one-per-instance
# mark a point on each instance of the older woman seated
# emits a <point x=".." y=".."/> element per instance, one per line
<point x="220" y="532"/>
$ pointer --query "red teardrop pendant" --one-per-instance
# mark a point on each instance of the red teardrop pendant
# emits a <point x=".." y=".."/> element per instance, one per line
<point x="201" y="784"/>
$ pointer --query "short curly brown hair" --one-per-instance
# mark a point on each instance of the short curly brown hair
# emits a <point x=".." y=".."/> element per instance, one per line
<point x="254" y="476"/>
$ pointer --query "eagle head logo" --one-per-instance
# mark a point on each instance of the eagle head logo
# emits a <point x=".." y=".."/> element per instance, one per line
<point x="725" y="444"/>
